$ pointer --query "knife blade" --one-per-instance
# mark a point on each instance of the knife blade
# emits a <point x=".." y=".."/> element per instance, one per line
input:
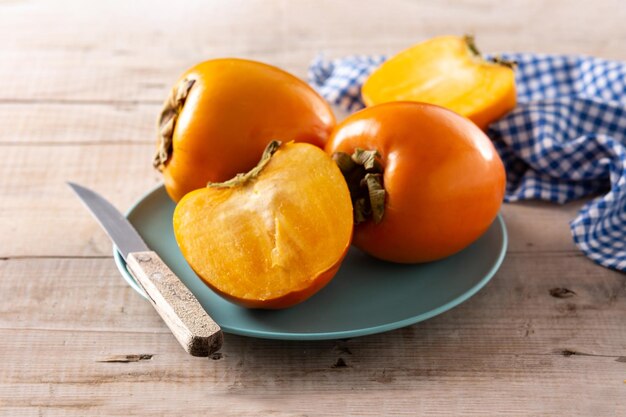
<point x="194" y="329"/>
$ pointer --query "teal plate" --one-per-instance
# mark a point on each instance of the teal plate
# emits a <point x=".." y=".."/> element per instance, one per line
<point x="366" y="296"/>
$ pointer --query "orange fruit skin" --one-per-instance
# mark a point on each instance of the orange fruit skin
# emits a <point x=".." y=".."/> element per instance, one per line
<point x="444" y="180"/>
<point x="233" y="110"/>
<point x="275" y="240"/>
<point x="287" y="300"/>
<point x="444" y="71"/>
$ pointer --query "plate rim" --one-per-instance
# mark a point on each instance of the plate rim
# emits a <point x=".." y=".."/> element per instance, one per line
<point x="344" y="334"/>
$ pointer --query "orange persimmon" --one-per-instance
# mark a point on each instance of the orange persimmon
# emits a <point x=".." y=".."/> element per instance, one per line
<point x="273" y="237"/>
<point x="425" y="182"/>
<point x="221" y="114"/>
<point x="447" y="71"/>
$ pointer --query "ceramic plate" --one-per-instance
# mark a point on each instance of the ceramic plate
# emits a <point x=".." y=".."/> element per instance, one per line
<point x="366" y="296"/>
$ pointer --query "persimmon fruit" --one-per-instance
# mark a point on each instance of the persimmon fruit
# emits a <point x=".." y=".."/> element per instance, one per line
<point x="221" y="114"/>
<point x="273" y="237"/>
<point x="448" y="71"/>
<point x="425" y="182"/>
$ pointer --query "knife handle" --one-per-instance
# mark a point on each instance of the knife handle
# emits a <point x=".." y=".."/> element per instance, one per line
<point x="194" y="329"/>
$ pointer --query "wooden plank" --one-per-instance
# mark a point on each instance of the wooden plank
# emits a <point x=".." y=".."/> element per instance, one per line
<point x="49" y="124"/>
<point x="251" y="388"/>
<point x="39" y="213"/>
<point x="36" y="199"/>
<point x="138" y="50"/>
<point x="510" y="343"/>
<point x="515" y="313"/>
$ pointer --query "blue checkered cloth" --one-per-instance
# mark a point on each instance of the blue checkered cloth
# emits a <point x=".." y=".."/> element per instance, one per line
<point x="566" y="138"/>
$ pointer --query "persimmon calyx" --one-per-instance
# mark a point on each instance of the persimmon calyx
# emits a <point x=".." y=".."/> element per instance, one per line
<point x="497" y="59"/>
<point x="242" y="178"/>
<point x="167" y="121"/>
<point x="363" y="173"/>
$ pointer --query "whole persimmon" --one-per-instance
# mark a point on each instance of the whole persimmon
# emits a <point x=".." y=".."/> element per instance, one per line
<point x="272" y="237"/>
<point x="425" y="182"/>
<point x="222" y="113"/>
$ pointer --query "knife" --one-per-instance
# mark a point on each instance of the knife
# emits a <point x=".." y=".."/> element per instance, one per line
<point x="195" y="330"/>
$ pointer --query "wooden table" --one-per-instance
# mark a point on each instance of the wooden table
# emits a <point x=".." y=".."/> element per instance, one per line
<point x="80" y="86"/>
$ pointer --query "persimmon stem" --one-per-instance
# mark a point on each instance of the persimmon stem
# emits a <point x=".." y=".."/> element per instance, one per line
<point x="167" y="121"/>
<point x="470" y="41"/>
<point x="497" y="59"/>
<point x="363" y="173"/>
<point x="242" y="178"/>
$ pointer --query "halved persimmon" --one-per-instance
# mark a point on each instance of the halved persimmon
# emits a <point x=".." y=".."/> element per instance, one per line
<point x="448" y="71"/>
<point x="273" y="237"/>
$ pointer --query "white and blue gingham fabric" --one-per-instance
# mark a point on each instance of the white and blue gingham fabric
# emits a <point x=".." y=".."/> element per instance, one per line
<point x="565" y="139"/>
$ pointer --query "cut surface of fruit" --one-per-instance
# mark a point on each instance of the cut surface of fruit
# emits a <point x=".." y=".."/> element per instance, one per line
<point x="447" y="71"/>
<point x="275" y="239"/>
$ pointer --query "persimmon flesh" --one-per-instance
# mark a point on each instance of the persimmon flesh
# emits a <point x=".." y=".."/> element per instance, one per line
<point x="274" y="239"/>
<point x="450" y="72"/>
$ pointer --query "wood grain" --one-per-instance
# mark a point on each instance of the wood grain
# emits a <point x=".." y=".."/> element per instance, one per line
<point x="516" y="308"/>
<point x="80" y="87"/>
<point x="77" y="124"/>
<point x="135" y="51"/>
<point x="511" y="342"/>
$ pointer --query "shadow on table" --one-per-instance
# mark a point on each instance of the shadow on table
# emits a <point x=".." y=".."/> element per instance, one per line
<point x="452" y="344"/>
